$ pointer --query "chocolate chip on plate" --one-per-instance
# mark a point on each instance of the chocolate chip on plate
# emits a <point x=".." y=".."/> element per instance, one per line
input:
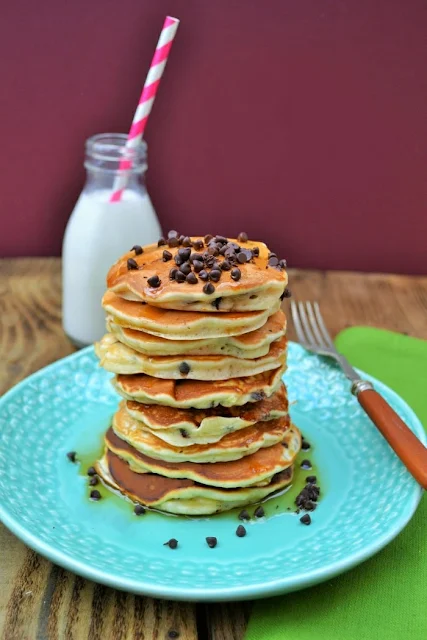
<point x="192" y="278"/>
<point x="172" y="543"/>
<point x="212" y="541"/>
<point x="71" y="455"/>
<point x="209" y="289"/>
<point x="184" y="368"/>
<point x="138" y="250"/>
<point x="306" y="464"/>
<point x="244" y="515"/>
<point x="132" y="264"/>
<point x="94" y="481"/>
<point x="305" y="445"/>
<point x="95" y="495"/>
<point x="311" y="479"/>
<point x="259" y="512"/>
<point x="154" y="281"/>
<point x="91" y="471"/>
<point x="139" y="510"/>
<point x="240" y="531"/>
<point x="305" y="519"/>
<point x="236" y="274"/>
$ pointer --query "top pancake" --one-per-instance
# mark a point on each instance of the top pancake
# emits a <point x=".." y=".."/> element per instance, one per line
<point x="260" y="286"/>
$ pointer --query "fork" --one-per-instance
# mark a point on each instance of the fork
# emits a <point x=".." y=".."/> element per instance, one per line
<point x="314" y="336"/>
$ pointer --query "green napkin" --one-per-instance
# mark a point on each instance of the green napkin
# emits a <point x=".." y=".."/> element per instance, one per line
<point x="384" y="598"/>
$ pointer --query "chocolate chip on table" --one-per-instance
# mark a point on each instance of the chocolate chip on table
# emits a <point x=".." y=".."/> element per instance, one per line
<point x="139" y="510"/>
<point x="305" y="519"/>
<point x="161" y="242"/>
<point x="212" y="541"/>
<point x="259" y="512"/>
<point x="236" y="274"/>
<point x="244" y="515"/>
<point x="173" y="634"/>
<point x="172" y="273"/>
<point x="185" y="253"/>
<point x="95" y="495"/>
<point x="242" y="237"/>
<point x="71" y="455"/>
<point x="192" y="278"/>
<point x="179" y="276"/>
<point x="240" y="531"/>
<point x="138" y="250"/>
<point x="197" y="266"/>
<point x="305" y="445"/>
<point x="203" y="275"/>
<point x="166" y="256"/>
<point x="91" y="471"/>
<point x="154" y="282"/>
<point x="208" y="289"/>
<point x="94" y="481"/>
<point x="215" y="275"/>
<point x="172" y="543"/>
<point x="185" y="268"/>
<point x="311" y="479"/>
<point x="132" y="264"/>
<point x="242" y="257"/>
<point x="184" y="368"/>
<point x="225" y="266"/>
<point x="186" y="242"/>
<point x="306" y="464"/>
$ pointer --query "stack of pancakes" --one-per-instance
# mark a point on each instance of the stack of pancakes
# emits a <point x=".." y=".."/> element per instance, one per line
<point x="196" y="340"/>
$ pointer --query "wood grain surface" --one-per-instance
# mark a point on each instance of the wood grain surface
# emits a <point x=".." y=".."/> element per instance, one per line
<point x="41" y="601"/>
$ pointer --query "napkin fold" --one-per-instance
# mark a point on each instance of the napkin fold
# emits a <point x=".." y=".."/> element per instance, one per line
<point x="385" y="597"/>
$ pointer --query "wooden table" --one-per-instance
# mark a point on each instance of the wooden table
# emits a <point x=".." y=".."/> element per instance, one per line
<point x="39" y="600"/>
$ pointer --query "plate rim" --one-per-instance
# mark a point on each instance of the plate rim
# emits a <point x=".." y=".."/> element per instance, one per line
<point x="240" y="592"/>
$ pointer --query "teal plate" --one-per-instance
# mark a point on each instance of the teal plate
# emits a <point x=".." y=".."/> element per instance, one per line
<point x="367" y="495"/>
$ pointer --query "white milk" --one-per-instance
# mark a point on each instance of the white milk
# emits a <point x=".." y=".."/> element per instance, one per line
<point x="97" y="234"/>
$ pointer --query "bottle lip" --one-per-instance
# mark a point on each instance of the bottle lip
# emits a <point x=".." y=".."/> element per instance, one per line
<point x="111" y="148"/>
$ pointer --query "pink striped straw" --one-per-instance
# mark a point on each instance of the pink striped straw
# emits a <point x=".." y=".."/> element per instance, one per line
<point x="146" y="102"/>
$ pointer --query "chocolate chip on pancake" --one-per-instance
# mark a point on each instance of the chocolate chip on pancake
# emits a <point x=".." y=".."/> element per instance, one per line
<point x="197" y="266"/>
<point x="167" y="256"/>
<point x="215" y="275"/>
<point x="173" y="242"/>
<point x="132" y="264"/>
<point x="154" y="282"/>
<point x="273" y="261"/>
<point x="236" y="274"/>
<point x="161" y="242"/>
<point x="198" y="244"/>
<point x="203" y="275"/>
<point x="184" y="368"/>
<point x="242" y="237"/>
<point x="185" y="253"/>
<point x="186" y="242"/>
<point x="179" y="276"/>
<point x="192" y="278"/>
<point x="172" y="273"/>
<point x="208" y="238"/>
<point x="185" y="268"/>
<point x="138" y="250"/>
<point x="225" y="265"/>
<point x="242" y="257"/>
<point x="209" y="289"/>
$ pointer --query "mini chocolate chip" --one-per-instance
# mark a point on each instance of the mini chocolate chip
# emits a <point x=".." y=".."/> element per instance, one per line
<point x="71" y="455"/>
<point x="173" y="234"/>
<point x="305" y="445"/>
<point x="161" y="242"/>
<point x="212" y="541"/>
<point x="186" y="242"/>
<point x="287" y="293"/>
<point x="203" y="275"/>
<point x="138" y="250"/>
<point x="240" y="531"/>
<point x="154" y="281"/>
<point x="167" y="256"/>
<point x="259" y="511"/>
<point x="184" y="368"/>
<point x="273" y="261"/>
<point x="197" y="266"/>
<point x="208" y="238"/>
<point x="198" y="244"/>
<point x="215" y="275"/>
<point x="132" y="264"/>
<point x="172" y="543"/>
<point x="180" y="277"/>
<point x="305" y="519"/>
<point x="225" y="266"/>
<point x="241" y="257"/>
<point x="184" y="433"/>
<point x="185" y="268"/>
<point x="236" y="274"/>
<point x="94" y="481"/>
<point x="173" y="242"/>
<point x="91" y="471"/>
<point x="242" y="237"/>
<point x="173" y="634"/>
<point x="244" y="515"/>
<point x="306" y="464"/>
<point x="95" y="495"/>
<point x="311" y="479"/>
<point x="196" y="256"/>
<point x="139" y="510"/>
<point x="192" y="278"/>
<point x="255" y="252"/>
<point x="208" y="288"/>
<point x="172" y="273"/>
<point x="185" y="253"/>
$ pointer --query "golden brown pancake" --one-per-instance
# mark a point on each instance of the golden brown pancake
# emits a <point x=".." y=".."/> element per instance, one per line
<point x="183" y="325"/>
<point x="118" y="358"/>
<point x="198" y="394"/>
<point x="233" y="446"/>
<point x="248" y="345"/>
<point x="258" y="288"/>
<point x="182" y="497"/>
<point x="244" y="472"/>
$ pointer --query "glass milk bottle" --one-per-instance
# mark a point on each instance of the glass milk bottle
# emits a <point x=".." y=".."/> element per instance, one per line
<point x="99" y="232"/>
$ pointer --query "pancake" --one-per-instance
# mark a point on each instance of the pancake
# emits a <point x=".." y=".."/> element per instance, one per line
<point x="181" y="497"/>
<point x="198" y="394"/>
<point x="184" y="427"/>
<point x="248" y="345"/>
<point x="248" y="471"/>
<point x="118" y="358"/>
<point x="260" y="286"/>
<point x="231" y="447"/>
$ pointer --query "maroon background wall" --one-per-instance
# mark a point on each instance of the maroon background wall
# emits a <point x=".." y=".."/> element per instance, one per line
<point x="299" y="121"/>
